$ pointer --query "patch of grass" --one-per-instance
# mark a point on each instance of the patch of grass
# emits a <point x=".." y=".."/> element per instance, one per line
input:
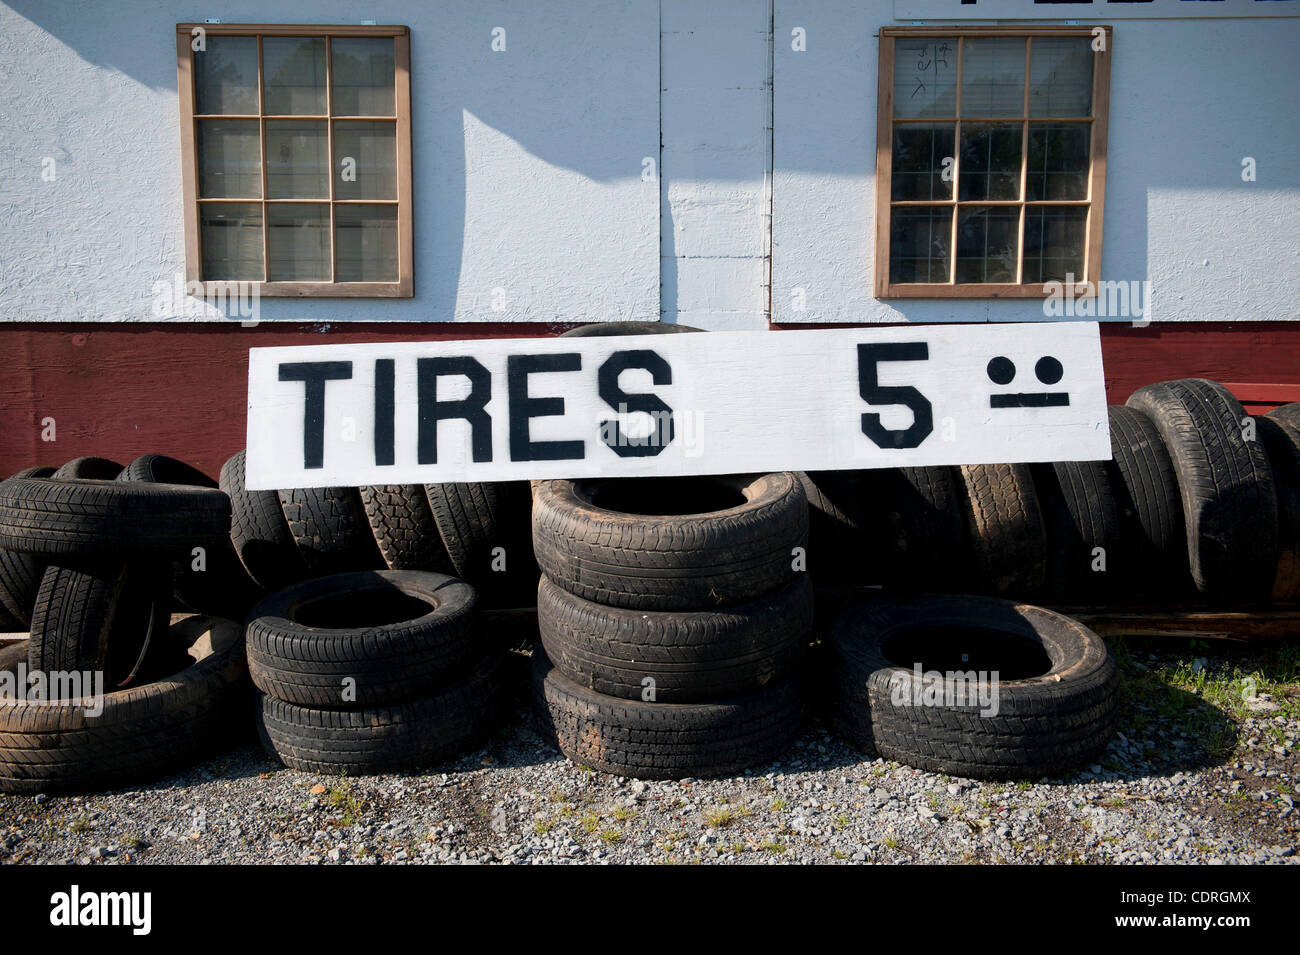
<point x="843" y="821"/>
<point x="590" y="822"/>
<point x="79" y="825"/>
<point x="776" y="848"/>
<point x="779" y="805"/>
<point x="541" y="827"/>
<point x="839" y="854"/>
<point x="611" y="836"/>
<point x="623" y="813"/>
<point x="566" y="812"/>
<point x="1024" y="786"/>
<point x="720" y="816"/>
<point x="891" y="842"/>
<point x="341" y="798"/>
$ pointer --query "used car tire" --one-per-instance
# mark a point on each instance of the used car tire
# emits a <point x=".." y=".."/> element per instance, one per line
<point x="689" y="657"/>
<point x="1007" y="532"/>
<point x="329" y="526"/>
<point x="1288" y="414"/>
<point x="400" y="737"/>
<point x="651" y="548"/>
<point x="607" y="329"/>
<point x="665" y="740"/>
<point x="1225" y="483"/>
<point x="404" y="528"/>
<point x="1045" y="722"/>
<point x="20" y="575"/>
<point x="1084" y="530"/>
<point x="91" y="519"/>
<point x="259" y="531"/>
<point x="1282" y="444"/>
<point x="89" y="468"/>
<point x="481" y="525"/>
<point x="142" y="732"/>
<point x="395" y="634"/>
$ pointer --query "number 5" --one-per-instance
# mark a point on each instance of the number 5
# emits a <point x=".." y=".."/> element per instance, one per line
<point x="873" y="393"/>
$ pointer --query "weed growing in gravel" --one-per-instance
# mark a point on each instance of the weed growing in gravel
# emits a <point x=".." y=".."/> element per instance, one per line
<point x="775" y="848"/>
<point x="541" y="827"/>
<point x="79" y="825"/>
<point x="778" y="805"/>
<point x="611" y="836"/>
<point x="1024" y="786"/>
<point x="590" y="822"/>
<point x="721" y="817"/>
<point x="839" y="854"/>
<point x="891" y="842"/>
<point x="623" y="813"/>
<point x="842" y="821"/>
<point x="340" y="797"/>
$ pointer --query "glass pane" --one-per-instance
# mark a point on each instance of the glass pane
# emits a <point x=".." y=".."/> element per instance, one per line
<point x="1058" y="161"/>
<point x="363" y="76"/>
<point x="925" y="77"/>
<point x="294" y="71"/>
<point x="230" y="159"/>
<point x="225" y="75"/>
<point x="296" y="151"/>
<point x="367" y="243"/>
<point x="993" y="77"/>
<point x="230" y="234"/>
<point x="987" y="240"/>
<point x="990" y="161"/>
<point x="298" y="243"/>
<point x="365" y="160"/>
<point x="1060" y="76"/>
<point x="1054" y="240"/>
<point x="919" y="168"/>
<point x="919" y="244"/>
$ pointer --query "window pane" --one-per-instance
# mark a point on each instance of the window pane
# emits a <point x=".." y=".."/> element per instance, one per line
<point x="293" y="69"/>
<point x="367" y="243"/>
<point x="1054" y="240"/>
<point x="993" y="76"/>
<point x="1060" y="71"/>
<point x="231" y="236"/>
<point x="298" y="242"/>
<point x="990" y="161"/>
<point x="364" y="74"/>
<point x="365" y="160"/>
<point x="918" y="164"/>
<point x="1058" y="161"/>
<point x="925" y="77"/>
<point x="230" y="159"/>
<point x="295" y="159"/>
<point x="987" y="240"/>
<point x="919" y="244"/>
<point x="225" y="75"/>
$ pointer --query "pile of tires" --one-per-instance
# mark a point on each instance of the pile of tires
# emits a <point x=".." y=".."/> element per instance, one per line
<point x="673" y="614"/>
<point x="1199" y="502"/>
<point x="971" y="686"/>
<point x="374" y="672"/>
<point x="105" y="689"/>
<point x="477" y="532"/>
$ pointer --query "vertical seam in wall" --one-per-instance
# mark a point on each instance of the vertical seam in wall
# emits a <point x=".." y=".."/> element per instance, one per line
<point x="771" y="146"/>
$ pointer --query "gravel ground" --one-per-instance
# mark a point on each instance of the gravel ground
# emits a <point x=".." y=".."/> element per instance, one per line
<point x="1199" y="773"/>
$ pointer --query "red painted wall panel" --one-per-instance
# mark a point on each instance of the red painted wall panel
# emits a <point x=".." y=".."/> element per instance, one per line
<point x="124" y="390"/>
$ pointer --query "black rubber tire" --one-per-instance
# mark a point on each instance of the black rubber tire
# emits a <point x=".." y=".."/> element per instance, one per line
<point x="91" y="519"/>
<point x="665" y="740"/>
<point x="404" y="528"/>
<point x="690" y="657"/>
<point x="1282" y="444"/>
<point x="838" y="502"/>
<point x="20" y="575"/>
<point x="698" y="561"/>
<point x="1044" y="725"/>
<point x="142" y="733"/>
<point x="1153" y="566"/>
<point x="330" y="529"/>
<point x="476" y="519"/>
<point x="1226" y="487"/>
<point x="1007" y="532"/>
<point x="916" y="530"/>
<point x="222" y="587"/>
<point x="611" y="329"/>
<point x="101" y="618"/>
<point x="259" y="532"/>
<point x="1082" y="517"/>
<point x="388" y="661"/>
<point x="402" y="737"/>
<point x="1287" y="414"/>
<point x="89" y="469"/>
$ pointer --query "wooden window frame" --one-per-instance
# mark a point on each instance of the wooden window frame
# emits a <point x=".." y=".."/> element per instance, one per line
<point x="1085" y="284"/>
<point x="404" y="286"/>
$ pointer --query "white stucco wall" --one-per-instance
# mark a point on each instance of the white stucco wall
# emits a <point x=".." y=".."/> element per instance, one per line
<point x="528" y="165"/>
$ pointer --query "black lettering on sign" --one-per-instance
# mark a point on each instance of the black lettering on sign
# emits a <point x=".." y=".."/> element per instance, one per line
<point x="524" y="407"/>
<point x="873" y="393"/>
<point x="385" y="411"/>
<point x="473" y="408"/>
<point x="313" y="375"/>
<point x="614" y="396"/>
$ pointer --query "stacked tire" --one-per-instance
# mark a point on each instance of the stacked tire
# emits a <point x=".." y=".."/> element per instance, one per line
<point x="477" y="532"/>
<point x="373" y="672"/>
<point x="673" y="615"/>
<point x="122" y="694"/>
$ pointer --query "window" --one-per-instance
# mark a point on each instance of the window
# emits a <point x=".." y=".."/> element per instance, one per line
<point x="990" y="160"/>
<point x="296" y="146"/>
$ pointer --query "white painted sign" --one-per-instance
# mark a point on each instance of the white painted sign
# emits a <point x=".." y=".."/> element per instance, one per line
<point x="715" y="403"/>
<point x="929" y="10"/>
